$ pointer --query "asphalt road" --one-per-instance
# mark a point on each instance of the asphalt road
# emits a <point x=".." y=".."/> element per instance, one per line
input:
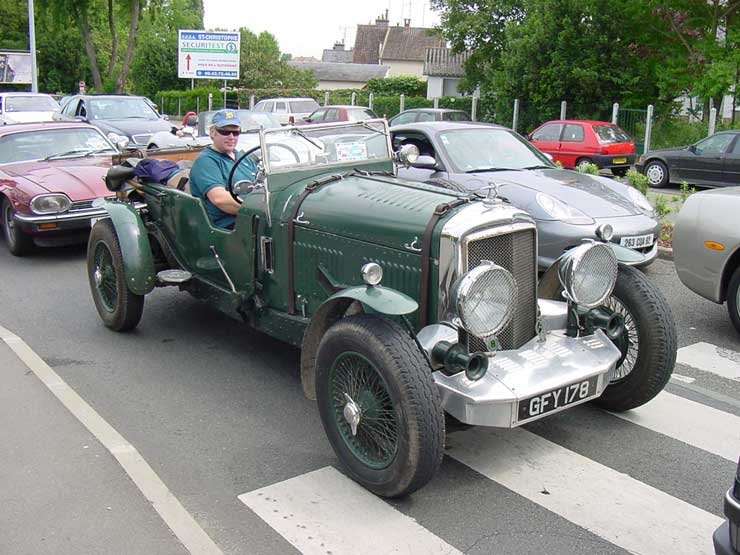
<point x="217" y="411"/>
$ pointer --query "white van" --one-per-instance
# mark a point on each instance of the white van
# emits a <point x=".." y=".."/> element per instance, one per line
<point x="288" y="110"/>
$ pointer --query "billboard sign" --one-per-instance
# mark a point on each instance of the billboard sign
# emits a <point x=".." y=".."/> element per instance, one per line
<point x="15" y="67"/>
<point x="208" y="55"/>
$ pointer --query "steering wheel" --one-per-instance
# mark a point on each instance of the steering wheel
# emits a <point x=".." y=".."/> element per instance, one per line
<point x="230" y="180"/>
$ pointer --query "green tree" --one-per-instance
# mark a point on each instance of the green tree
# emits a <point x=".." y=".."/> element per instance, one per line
<point x="410" y="85"/>
<point x="262" y="66"/>
<point x="154" y="66"/>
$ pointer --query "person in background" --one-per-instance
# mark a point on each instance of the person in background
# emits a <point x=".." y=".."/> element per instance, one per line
<point x="189" y="125"/>
<point x="210" y="171"/>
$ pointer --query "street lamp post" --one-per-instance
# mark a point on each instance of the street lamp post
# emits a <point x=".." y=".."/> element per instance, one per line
<point x="32" y="40"/>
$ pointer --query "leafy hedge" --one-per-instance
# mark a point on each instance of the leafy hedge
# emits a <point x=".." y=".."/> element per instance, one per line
<point x="182" y="101"/>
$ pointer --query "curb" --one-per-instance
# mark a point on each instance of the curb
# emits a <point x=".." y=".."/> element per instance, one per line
<point x="665" y="253"/>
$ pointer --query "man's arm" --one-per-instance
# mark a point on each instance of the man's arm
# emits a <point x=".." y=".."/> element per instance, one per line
<point x="221" y="198"/>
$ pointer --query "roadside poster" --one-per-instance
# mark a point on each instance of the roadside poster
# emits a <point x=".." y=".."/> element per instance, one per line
<point x="208" y="55"/>
<point x="15" y="67"/>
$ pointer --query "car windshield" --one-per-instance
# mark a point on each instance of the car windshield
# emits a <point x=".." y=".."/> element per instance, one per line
<point x="53" y="143"/>
<point x="299" y="148"/>
<point x="301" y="106"/>
<point x="249" y="118"/>
<point x="490" y="149"/>
<point x="30" y="104"/>
<point x="122" y="108"/>
<point x="611" y="134"/>
<point x="360" y="114"/>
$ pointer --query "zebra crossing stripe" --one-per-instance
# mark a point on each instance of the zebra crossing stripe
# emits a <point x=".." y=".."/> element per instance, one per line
<point x="324" y="512"/>
<point x="693" y="423"/>
<point x="610" y="504"/>
<point x="710" y="358"/>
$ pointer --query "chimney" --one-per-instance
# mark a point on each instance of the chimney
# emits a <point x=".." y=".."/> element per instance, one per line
<point x="407" y="22"/>
<point x="382" y="21"/>
<point x="339" y="45"/>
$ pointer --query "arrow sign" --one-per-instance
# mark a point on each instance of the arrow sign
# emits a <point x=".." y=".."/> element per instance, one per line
<point x="187" y="59"/>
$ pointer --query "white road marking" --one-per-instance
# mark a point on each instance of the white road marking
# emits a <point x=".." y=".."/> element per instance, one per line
<point x="325" y="512"/>
<point x="182" y="524"/>
<point x="710" y="358"/>
<point x="684" y="379"/>
<point x="704" y="427"/>
<point x="612" y="505"/>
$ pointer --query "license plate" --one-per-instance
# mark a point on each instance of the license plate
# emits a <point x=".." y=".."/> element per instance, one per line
<point x="637" y="241"/>
<point x="557" y="398"/>
<point x="619" y="160"/>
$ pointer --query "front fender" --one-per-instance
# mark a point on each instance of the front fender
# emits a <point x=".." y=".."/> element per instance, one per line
<point x="380" y="299"/>
<point x="138" y="264"/>
<point x="549" y="284"/>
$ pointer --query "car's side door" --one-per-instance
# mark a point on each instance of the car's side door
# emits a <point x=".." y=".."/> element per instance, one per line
<point x="547" y="138"/>
<point x="703" y="163"/>
<point x="572" y="147"/>
<point x="731" y="167"/>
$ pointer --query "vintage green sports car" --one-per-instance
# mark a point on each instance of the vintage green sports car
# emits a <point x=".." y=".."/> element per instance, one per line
<point x="408" y="301"/>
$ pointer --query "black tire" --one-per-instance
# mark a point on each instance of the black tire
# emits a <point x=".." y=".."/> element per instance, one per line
<point x="733" y="302"/>
<point x="447" y="184"/>
<point x="619" y="172"/>
<point x="118" y="307"/>
<point x="18" y="243"/>
<point x="657" y="173"/>
<point x="379" y="366"/>
<point x="649" y="355"/>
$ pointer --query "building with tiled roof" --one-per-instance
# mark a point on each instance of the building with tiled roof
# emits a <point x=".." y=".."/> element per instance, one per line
<point x="443" y="71"/>
<point x="402" y="48"/>
<point x="338" y="54"/>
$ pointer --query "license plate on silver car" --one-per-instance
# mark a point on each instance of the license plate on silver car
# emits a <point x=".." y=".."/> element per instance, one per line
<point x="549" y="401"/>
<point x="637" y="241"/>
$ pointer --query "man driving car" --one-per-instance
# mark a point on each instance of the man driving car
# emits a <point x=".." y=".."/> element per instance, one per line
<point x="210" y="171"/>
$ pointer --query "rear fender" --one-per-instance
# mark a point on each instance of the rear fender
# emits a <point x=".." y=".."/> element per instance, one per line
<point x="549" y="284"/>
<point x="138" y="264"/>
<point x="378" y="299"/>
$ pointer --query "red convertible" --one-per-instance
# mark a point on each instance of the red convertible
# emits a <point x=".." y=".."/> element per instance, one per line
<point x="50" y="176"/>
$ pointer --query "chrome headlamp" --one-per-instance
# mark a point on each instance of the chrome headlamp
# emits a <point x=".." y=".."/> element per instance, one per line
<point x="54" y="203"/>
<point x="372" y="273"/>
<point x="588" y="273"/>
<point x="484" y="299"/>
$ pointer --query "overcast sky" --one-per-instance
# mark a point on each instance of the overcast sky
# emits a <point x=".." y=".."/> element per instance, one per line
<point x="306" y="28"/>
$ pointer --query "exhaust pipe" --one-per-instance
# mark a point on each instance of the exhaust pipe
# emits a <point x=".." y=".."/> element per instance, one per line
<point x="610" y="322"/>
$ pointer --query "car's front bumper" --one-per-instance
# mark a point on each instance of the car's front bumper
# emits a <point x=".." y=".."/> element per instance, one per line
<point x="70" y="221"/>
<point x="518" y="376"/>
<point x="555" y="237"/>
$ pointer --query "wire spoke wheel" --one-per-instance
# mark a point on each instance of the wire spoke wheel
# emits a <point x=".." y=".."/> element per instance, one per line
<point x="374" y="437"/>
<point x="628" y="343"/>
<point x="105" y="277"/>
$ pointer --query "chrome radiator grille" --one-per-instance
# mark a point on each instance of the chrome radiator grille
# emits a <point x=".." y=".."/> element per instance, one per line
<point x="517" y="253"/>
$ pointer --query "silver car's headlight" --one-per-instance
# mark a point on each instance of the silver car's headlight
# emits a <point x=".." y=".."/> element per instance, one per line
<point x="640" y="201"/>
<point x="50" y="204"/>
<point x="559" y="210"/>
<point x="588" y="273"/>
<point x="484" y="299"/>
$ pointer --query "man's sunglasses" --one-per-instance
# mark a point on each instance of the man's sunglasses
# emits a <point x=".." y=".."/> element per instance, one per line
<point x="226" y="132"/>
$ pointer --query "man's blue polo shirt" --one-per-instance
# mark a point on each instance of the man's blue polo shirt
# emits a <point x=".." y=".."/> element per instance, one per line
<point x="211" y="169"/>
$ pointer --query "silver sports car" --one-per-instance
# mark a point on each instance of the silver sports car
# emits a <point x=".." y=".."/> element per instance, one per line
<point x="706" y="247"/>
<point x="567" y="205"/>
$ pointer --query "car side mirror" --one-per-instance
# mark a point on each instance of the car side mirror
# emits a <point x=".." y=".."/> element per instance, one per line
<point x="692" y="148"/>
<point x="428" y="162"/>
<point x="243" y="187"/>
<point x="165" y="117"/>
<point x="549" y="156"/>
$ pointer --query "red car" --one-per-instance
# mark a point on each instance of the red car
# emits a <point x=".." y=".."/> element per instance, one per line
<point x="575" y="142"/>
<point x="327" y="114"/>
<point x="50" y="174"/>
